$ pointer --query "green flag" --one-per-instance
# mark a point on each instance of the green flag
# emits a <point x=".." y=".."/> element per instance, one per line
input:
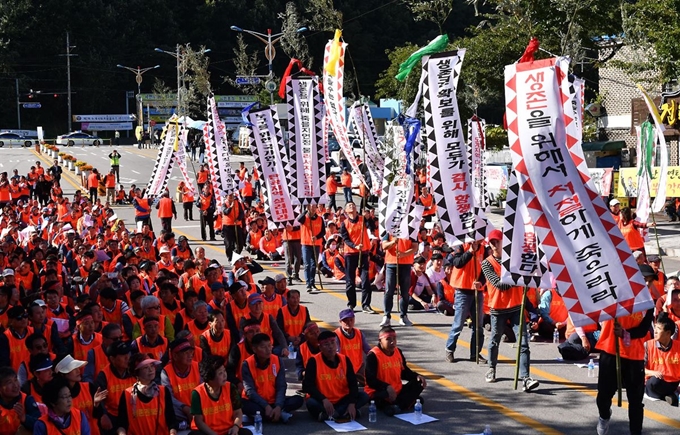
<point x="435" y="46"/>
<point x="646" y="147"/>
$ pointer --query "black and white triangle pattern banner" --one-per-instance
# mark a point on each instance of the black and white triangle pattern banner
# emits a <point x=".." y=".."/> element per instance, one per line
<point x="360" y="118"/>
<point x="180" y="159"/>
<point x="162" y="169"/>
<point x="397" y="190"/>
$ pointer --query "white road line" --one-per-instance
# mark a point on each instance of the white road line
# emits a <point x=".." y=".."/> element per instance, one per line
<point x="134" y="171"/>
<point x="185" y="226"/>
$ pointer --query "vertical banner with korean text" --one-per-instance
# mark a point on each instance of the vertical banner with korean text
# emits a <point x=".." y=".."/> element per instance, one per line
<point x="161" y="170"/>
<point x="217" y="154"/>
<point x="181" y="159"/>
<point x="397" y="189"/>
<point x="364" y="129"/>
<point x="265" y="143"/>
<point x="573" y="225"/>
<point x="447" y="155"/>
<point x="476" y="147"/>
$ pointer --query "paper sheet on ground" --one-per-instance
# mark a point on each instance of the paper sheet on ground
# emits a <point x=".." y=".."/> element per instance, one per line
<point x="350" y="426"/>
<point x="411" y="418"/>
<point x="585" y="366"/>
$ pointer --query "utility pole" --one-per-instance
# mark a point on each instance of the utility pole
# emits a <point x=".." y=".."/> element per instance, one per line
<point x="68" y="76"/>
<point x="18" y="106"/>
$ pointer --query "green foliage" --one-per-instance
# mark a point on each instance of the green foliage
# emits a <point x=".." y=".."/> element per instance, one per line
<point x="323" y="16"/>
<point x="387" y="86"/>
<point x="496" y="137"/>
<point x="293" y="43"/>
<point x="435" y="11"/>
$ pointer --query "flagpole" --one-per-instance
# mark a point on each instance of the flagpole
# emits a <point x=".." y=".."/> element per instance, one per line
<point x="477" y="328"/>
<point x="318" y="269"/>
<point x="656" y="233"/>
<point x="519" y="338"/>
<point x="619" y="383"/>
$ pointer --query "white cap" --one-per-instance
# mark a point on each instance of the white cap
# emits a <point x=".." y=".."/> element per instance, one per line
<point x="68" y="364"/>
<point x="164" y="250"/>
<point x="8" y="272"/>
<point x="614" y="202"/>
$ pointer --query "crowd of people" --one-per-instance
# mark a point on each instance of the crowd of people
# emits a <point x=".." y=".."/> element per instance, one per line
<point x="111" y="328"/>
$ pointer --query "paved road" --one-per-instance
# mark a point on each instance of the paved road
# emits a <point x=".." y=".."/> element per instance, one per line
<point x="457" y="394"/>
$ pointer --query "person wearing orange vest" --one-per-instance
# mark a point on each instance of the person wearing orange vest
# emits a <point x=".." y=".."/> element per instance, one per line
<point x="346" y="182"/>
<point x="292" y="318"/>
<point x="264" y="384"/>
<point x="331" y="383"/>
<point x="615" y="209"/>
<point x="202" y="177"/>
<point x="385" y="369"/>
<point x="399" y="255"/>
<point x="505" y="302"/>
<point x="181" y="375"/>
<point x="634" y="327"/>
<point x="16" y="334"/>
<point x="352" y="343"/>
<point x="151" y="342"/>
<point x="354" y="234"/>
<point x="85" y="395"/>
<point x="62" y="417"/>
<point x="166" y="211"/>
<point x="93" y="184"/>
<point x="308" y="348"/>
<point x="114" y="378"/>
<point x="312" y="232"/>
<point x="331" y="190"/>
<point x="232" y="218"/>
<point x="268" y="247"/>
<point x="11" y="396"/>
<point x="188" y="202"/>
<point x="216" y="340"/>
<point x="206" y="205"/>
<point x="247" y="191"/>
<point x="292" y="250"/>
<point x="142" y="208"/>
<point x="40" y="366"/>
<point x="110" y="183"/>
<point x="553" y="314"/>
<point x="662" y="362"/>
<point x="427" y="201"/>
<point x="215" y="403"/>
<point x="267" y="323"/>
<point x="96" y="357"/>
<point x="145" y="408"/>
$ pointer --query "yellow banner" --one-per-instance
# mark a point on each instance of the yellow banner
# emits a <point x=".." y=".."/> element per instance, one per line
<point x="627" y="182"/>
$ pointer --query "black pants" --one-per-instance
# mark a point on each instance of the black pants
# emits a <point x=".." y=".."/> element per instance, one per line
<point x="188" y="210"/>
<point x="116" y="170"/>
<point x="145" y="221"/>
<point x="351" y="265"/>
<point x="289" y="405"/>
<point x="660" y="389"/>
<point x="331" y="202"/>
<point x="241" y="431"/>
<point x="210" y="223"/>
<point x="166" y="224"/>
<point x="93" y="194"/>
<point x="233" y="240"/>
<point x="633" y="378"/>
<point x="405" y="399"/>
<point x="292" y="250"/>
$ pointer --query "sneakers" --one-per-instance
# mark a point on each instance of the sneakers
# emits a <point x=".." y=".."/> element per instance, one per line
<point x="368" y="310"/>
<point x="286" y="416"/>
<point x="529" y="384"/>
<point x="602" y="426"/>
<point x="449" y="357"/>
<point x="490" y="376"/>
<point x="322" y="416"/>
<point x="404" y="321"/>
<point x="386" y="321"/>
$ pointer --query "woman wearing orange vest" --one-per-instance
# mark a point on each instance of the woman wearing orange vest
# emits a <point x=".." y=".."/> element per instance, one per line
<point x="181" y="376"/>
<point x="352" y="343"/>
<point x="630" y="229"/>
<point x="312" y="232"/>
<point x="93" y="184"/>
<point x="62" y="417"/>
<point x="264" y="384"/>
<point x="399" y="254"/>
<point x="216" y="340"/>
<point x="505" y="302"/>
<point x="354" y="234"/>
<point x="188" y="202"/>
<point x="633" y="329"/>
<point x="145" y="407"/>
<point x="662" y="362"/>
<point x="385" y="369"/>
<point x="86" y="396"/>
<point x="268" y="247"/>
<point x="331" y="384"/>
<point x="215" y="404"/>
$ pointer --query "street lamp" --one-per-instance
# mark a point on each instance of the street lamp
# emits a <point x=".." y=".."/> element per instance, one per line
<point x="269" y="51"/>
<point x="177" y="55"/>
<point x="138" y="73"/>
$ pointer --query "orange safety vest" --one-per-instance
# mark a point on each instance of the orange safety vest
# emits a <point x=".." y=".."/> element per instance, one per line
<point x="332" y="382"/>
<point x="331" y="185"/>
<point x="428" y="201"/>
<point x="182" y="387"/>
<point x="632" y="236"/>
<point x="306" y="353"/>
<point x="449" y="291"/>
<point x="110" y="181"/>
<point x="115" y="316"/>
<point x="636" y="350"/>
<point x="187" y="196"/>
<point x="500" y="300"/>
<point x="339" y="272"/>
<point x="93" y="180"/>
<point x="247" y="189"/>
<point x="272" y="307"/>
<point x="85" y="402"/>
<point x="311" y="228"/>
<point x="156" y="351"/>
<point x="294" y="324"/>
<point x="100" y="360"/>
<point x="358" y="233"/>
<point x="558" y="311"/>
<point x="268" y="245"/>
<point x="389" y="370"/>
<point x="146" y="418"/>
<point x="238" y="313"/>
<point x="196" y="331"/>
<point x="206" y="200"/>
<point x="116" y="387"/>
<point x="255" y="237"/>
<point x="231" y="218"/>
<point x="72" y="429"/>
<point x="165" y="208"/>
<point x="403" y="244"/>
<point x="220" y="347"/>
<point x="217" y="415"/>
<point x="144" y="204"/>
<point x="352" y="347"/>
<point x="80" y="350"/>
<point x="346" y="180"/>
<point x="464" y="278"/>
<point x="9" y="421"/>
<point x="161" y="326"/>
<point x="202" y="177"/>
<point x="265" y="327"/>
<point x="265" y="379"/>
<point x="667" y="363"/>
<point x="170" y="314"/>
<point x="18" y="352"/>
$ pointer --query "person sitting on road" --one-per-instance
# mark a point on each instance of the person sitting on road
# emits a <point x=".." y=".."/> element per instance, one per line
<point x="662" y="362"/>
<point x="308" y="348"/>
<point x="268" y="246"/>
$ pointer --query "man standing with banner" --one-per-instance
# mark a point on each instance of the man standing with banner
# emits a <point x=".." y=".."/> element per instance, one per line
<point x="232" y="216"/>
<point x="505" y="303"/>
<point x="355" y="237"/>
<point x="399" y="253"/>
<point x="312" y="231"/>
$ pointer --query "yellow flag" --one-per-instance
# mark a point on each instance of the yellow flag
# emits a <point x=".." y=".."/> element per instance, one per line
<point x="334" y="56"/>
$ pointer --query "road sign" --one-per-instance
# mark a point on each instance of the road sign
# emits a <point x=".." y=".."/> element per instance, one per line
<point x="106" y="126"/>
<point x="104" y="118"/>
<point x="31" y="105"/>
<point x="247" y="80"/>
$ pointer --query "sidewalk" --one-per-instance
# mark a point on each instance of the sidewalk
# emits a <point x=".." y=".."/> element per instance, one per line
<point x="669" y="237"/>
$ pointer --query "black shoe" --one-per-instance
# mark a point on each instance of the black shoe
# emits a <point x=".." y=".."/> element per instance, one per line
<point x="290" y="281"/>
<point x="351" y="307"/>
<point x="449" y="357"/>
<point x="296" y="277"/>
<point x="310" y="289"/>
<point x="482" y="360"/>
<point x="213" y="240"/>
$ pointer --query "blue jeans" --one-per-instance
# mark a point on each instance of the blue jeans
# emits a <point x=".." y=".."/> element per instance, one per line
<point x="498" y="321"/>
<point x="309" y="260"/>
<point x="347" y="191"/>
<point x="391" y="287"/>
<point x="464" y="306"/>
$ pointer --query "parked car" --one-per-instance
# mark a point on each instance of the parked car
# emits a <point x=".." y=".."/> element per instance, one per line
<point x="12" y="139"/>
<point x="78" y="138"/>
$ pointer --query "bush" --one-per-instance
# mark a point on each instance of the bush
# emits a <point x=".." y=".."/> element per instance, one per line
<point x="86" y="167"/>
<point x="80" y="163"/>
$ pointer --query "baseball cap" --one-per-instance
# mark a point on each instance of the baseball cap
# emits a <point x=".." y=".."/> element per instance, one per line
<point x="653" y="257"/>
<point x="268" y="280"/>
<point x="39" y="363"/>
<point x="648" y="272"/>
<point x="181" y="344"/>
<point x="495" y="235"/>
<point x="279" y="277"/>
<point x="8" y="272"/>
<point x="235" y="287"/>
<point x="216" y="286"/>
<point x="118" y="348"/>
<point x="164" y="250"/>
<point x="347" y="313"/>
<point x="254" y="298"/>
<point x="68" y="364"/>
<point x="614" y="202"/>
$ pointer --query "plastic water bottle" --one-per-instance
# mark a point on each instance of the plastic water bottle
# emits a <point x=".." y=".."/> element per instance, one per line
<point x="372" y="412"/>
<point x="487" y="430"/>
<point x="418" y="410"/>
<point x="291" y="350"/>
<point x="626" y="338"/>
<point x="556" y="336"/>
<point x="591" y="368"/>
<point x="258" y="423"/>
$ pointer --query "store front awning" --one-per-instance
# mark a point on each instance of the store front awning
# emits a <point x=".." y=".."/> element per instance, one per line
<point x="607" y="145"/>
